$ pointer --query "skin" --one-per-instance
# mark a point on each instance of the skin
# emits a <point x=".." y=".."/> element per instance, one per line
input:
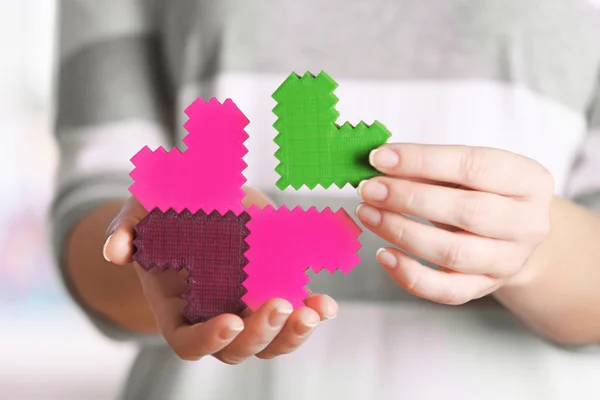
<point x="150" y="302"/>
<point x="498" y="229"/>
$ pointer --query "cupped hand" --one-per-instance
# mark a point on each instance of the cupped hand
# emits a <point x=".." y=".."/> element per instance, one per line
<point x="275" y="329"/>
<point x="490" y="209"/>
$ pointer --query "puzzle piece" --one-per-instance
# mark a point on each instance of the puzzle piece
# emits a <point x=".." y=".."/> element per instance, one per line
<point x="313" y="149"/>
<point x="208" y="175"/>
<point x="197" y="222"/>
<point x="210" y="247"/>
<point x="285" y="243"/>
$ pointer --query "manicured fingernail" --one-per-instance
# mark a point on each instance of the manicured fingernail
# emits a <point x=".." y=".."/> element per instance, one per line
<point x="305" y="327"/>
<point x="359" y="189"/>
<point x="368" y="215"/>
<point x="232" y="330"/>
<point x="105" y="247"/>
<point x="383" y="158"/>
<point x="373" y="190"/>
<point x="279" y="315"/>
<point x="386" y="258"/>
<point x="329" y="315"/>
<point x="330" y="312"/>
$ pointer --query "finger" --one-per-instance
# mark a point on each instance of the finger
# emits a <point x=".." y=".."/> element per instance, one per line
<point x="131" y="213"/>
<point x="255" y="197"/>
<point x="325" y="306"/>
<point x="482" y="213"/>
<point x="246" y="313"/>
<point x="260" y="329"/>
<point x="118" y="247"/>
<point x="480" y="168"/>
<point x="458" y="251"/>
<point x="295" y="332"/>
<point x="443" y="287"/>
<point x="190" y="342"/>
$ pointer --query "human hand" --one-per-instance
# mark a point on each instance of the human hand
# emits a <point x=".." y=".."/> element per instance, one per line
<point x="273" y="330"/>
<point x="491" y="210"/>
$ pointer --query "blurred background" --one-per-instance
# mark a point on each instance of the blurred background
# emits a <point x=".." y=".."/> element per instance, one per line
<point x="37" y="360"/>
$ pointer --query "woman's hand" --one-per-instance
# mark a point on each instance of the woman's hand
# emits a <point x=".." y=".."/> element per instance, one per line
<point x="273" y="330"/>
<point x="491" y="210"/>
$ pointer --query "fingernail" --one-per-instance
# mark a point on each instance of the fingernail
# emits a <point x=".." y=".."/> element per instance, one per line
<point x="359" y="189"/>
<point x="368" y="215"/>
<point x="383" y="158"/>
<point x="279" y="315"/>
<point x="386" y="258"/>
<point x="329" y="315"/>
<point x="305" y="327"/>
<point x="232" y="330"/>
<point x="105" y="247"/>
<point x="373" y="190"/>
<point x="330" y="312"/>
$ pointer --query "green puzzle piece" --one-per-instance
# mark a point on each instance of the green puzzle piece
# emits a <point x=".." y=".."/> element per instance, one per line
<point x="313" y="149"/>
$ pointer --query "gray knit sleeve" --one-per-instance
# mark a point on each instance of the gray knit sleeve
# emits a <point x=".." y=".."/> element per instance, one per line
<point x="584" y="185"/>
<point x="111" y="101"/>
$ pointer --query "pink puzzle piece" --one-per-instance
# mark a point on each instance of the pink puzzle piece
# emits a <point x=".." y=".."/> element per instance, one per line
<point x="282" y="243"/>
<point x="285" y="243"/>
<point x="208" y="175"/>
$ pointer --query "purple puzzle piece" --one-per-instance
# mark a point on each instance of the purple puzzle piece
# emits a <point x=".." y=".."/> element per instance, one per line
<point x="210" y="247"/>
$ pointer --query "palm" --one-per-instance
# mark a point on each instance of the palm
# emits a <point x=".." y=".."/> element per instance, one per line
<point x="272" y="330"/>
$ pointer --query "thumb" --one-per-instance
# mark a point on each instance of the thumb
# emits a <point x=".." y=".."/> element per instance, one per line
<point x="118" y="248"/>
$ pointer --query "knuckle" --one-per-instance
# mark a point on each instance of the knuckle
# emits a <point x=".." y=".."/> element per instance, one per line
<point x="406" y="197"/>
<point x="412" y="283"/>
<point x="453" y="256"/>
<point x="398" y="235"/>
<point x="410" y="278"/>
<point x="468" y="214"/>
<point x="472" y="165"/>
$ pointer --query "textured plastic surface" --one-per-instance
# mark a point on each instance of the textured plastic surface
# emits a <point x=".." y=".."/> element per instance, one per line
<point x="197" y="221"/>
<point x="210" y="247"/>
<point x="208" y="175"/>
<point x="285" y="243"/>
<point x="313" y="149"/>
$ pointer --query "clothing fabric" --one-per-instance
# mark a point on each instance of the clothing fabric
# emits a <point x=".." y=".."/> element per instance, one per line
<point x="516" y="75"/>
